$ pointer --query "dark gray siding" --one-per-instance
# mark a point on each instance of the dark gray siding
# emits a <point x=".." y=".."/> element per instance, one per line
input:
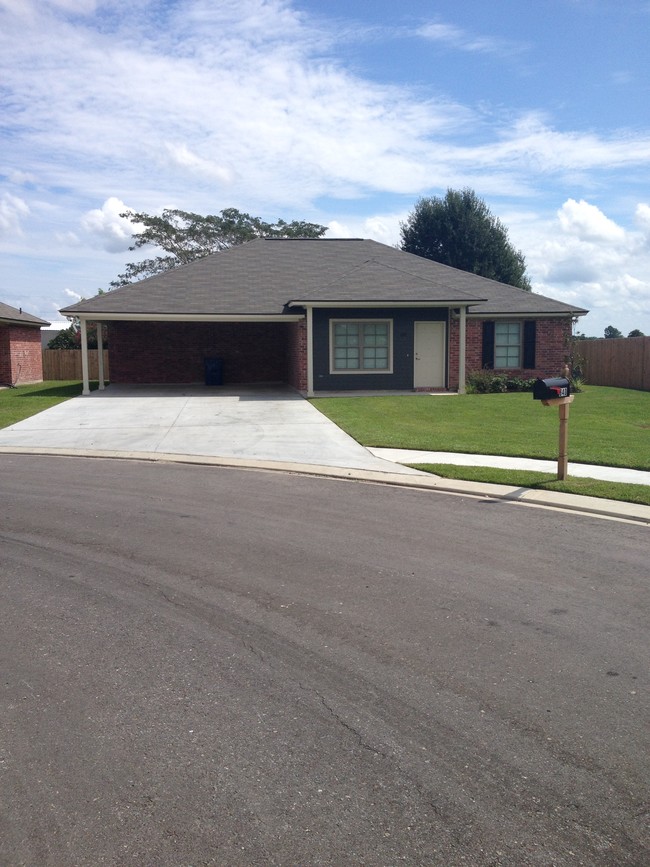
<point x="403" y="330"/>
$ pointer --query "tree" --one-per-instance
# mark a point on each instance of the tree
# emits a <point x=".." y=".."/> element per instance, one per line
<point x="70" y="337"/>
<point x="636" y="333"/>
<point x="66" y="339"/>
<point x="460" y="231"/>
<point x="185" y="236"/>
<point x="610" y="332"/>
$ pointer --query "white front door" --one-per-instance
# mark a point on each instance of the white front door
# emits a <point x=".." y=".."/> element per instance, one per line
<point x="429" y="361"/>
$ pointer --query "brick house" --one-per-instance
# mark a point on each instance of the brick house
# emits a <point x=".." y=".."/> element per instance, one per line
<point x="326" y="315"/>
<point x="21" y="358"/>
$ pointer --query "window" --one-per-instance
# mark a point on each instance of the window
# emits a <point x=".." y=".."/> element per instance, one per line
<point x="362" y="346"/>
<point x="507" y="344"/>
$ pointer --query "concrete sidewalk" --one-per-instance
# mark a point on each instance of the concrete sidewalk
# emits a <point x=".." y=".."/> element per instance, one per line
<point x="585" y="471"/>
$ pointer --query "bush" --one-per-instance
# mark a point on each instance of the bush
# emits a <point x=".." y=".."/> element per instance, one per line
<point x="488" y="382"/>
<point x="518" y="384"/>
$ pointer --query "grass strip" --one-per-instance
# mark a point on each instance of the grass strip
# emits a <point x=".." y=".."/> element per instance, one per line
<point x="542" y="481"/>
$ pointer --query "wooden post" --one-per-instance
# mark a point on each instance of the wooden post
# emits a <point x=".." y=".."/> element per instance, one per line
<point x="562" y="455"/>
<point x="563" y="404"/>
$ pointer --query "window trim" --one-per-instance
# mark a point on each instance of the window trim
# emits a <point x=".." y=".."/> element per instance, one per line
<point x="358" y="371"/>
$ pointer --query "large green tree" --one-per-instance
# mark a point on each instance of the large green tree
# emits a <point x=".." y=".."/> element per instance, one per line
<point x="184" y="236"/>
<point x="460" y="230"/>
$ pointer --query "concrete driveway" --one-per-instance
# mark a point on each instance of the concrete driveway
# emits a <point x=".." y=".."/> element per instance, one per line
<point x="259" y="423"/>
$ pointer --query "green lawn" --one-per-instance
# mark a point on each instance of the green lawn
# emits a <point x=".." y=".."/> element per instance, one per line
<point x="607" y="426"/>
<point x="25" y="400"/>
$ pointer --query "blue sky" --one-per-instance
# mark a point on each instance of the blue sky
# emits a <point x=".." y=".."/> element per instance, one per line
<point x="343" y="113"/>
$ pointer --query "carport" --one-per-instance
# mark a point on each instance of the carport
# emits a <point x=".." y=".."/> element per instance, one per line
<point x="174" y="349"/>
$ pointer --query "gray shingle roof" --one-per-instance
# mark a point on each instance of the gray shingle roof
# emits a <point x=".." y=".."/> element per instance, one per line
<point x="14" y="316"/>
<point x="264" y="276"/>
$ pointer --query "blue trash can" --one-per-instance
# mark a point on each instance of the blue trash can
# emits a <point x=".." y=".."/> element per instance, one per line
<point x="213" y="368"/>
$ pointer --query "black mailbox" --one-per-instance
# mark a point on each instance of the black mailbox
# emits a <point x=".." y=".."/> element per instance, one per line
<point x="551" y="389"/>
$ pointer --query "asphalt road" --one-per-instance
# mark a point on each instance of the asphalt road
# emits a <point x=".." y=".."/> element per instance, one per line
<point x="203" y="666"/>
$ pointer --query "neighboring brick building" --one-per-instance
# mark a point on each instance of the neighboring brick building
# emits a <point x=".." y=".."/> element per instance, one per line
<point x="21" y="358"/>
<point x="327" y="315"/>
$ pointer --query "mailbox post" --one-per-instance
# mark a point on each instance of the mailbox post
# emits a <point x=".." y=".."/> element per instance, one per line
<point x="557" y="392"/>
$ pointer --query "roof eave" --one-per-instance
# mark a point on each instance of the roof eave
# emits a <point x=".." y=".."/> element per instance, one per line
<point x="28" y="323"/>
<point x="531" y="314"/>
<point x="452" y="302"/>
<point x="184" y="317"/>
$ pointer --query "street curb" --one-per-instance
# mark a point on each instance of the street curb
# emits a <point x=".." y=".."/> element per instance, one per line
<point x="597" y="507"/>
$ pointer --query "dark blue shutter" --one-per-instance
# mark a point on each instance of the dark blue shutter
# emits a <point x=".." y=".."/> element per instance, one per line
<point x="530" y="333"/>
<point x="487" y="356"/>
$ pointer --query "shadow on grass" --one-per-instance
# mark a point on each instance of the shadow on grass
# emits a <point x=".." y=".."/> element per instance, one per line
<point x="70" y="389"/>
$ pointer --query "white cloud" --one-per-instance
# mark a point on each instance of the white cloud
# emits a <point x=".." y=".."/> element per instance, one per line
<point x="455" y="37"/>
<point x="382" y="227"/>
<point x="67" y="239"/>
<point x="583" y="257"/>
<point x="20" y="178"/>
<point x="109" y="230"/>
<point x="182" y="157"/>
<point x="12" y="211"/>
<point x="242" y="96"/>
<point x="77" y="7"/>
<point x="588" y="223"/>
<point x="642" y="215"/>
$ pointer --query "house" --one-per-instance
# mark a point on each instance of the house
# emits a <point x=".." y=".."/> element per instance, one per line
<point x="325" y="315"/>
<point x="21" y="359"/>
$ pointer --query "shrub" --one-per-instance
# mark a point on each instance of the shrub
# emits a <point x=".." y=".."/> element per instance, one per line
<point x="485" y="382"/>
<point x="488" y="382"/>
<point x="518" y="384"/>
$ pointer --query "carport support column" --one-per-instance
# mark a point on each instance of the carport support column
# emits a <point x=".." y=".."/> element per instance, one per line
<point x="84" y="357"/>
<point x="100" y="356"/>
<point x="462" y="335"/>
<point x="310" y="352"/>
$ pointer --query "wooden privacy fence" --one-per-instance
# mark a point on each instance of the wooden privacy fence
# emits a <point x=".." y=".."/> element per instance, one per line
<point x="623" y="362"/>
<point x="66" y="364"/>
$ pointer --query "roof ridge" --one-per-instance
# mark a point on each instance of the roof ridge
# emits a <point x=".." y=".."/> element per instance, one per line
<point x="273" y="238"/>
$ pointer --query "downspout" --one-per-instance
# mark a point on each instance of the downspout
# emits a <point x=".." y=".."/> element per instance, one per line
<point x="310" y="346"/>
<point x="462" y="326"/>
<point x="84" y="357"/>
<point x="100" y="356"/>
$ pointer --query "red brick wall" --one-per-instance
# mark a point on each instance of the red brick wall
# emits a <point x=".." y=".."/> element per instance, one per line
<point x="297" y="355"/>
<point x="21" y="359"/>
<point x="174" y="352"/>
<point x="5" y="358"/>
<point x="551" y="349"/>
